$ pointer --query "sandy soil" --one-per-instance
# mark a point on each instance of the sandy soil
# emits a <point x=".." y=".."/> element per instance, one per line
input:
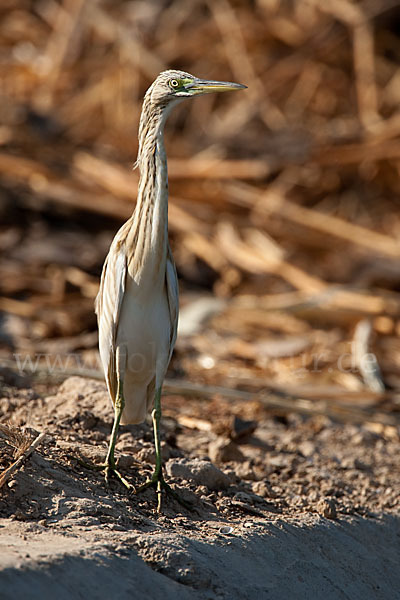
<point x="287" y="507"/>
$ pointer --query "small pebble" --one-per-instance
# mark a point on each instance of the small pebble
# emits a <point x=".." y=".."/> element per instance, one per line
<point x="200" y="471"/>
<point x="224" y="450"/>
<point x="327" y="508"/>
<point x="226" y="530"/>
<point x="263" y="489"/>
<point x="243" y="497"/>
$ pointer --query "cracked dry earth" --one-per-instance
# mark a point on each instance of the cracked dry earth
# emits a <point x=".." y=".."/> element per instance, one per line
<point x="283" y="507"/>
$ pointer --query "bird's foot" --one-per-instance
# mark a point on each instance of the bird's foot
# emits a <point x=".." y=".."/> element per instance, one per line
<point x="158" y="482"/>
<point x="109" y="468"/>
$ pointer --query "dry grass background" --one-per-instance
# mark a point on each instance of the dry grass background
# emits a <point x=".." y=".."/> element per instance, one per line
<point x="284" y="201"/>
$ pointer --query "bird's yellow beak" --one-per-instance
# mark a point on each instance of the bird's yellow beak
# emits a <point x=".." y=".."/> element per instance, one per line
<point x="205" y="86"/>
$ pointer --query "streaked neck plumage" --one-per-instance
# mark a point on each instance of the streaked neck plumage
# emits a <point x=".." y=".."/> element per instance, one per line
<point x="147" y="239"/>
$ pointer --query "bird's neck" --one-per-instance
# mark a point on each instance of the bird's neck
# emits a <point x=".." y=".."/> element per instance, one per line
<point x="148" y="235"/>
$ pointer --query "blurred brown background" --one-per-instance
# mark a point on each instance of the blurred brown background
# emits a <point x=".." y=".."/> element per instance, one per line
<point x="284" y="217"/>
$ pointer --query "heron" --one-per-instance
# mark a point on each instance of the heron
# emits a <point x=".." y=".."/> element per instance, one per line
<point x="137" y="305"/>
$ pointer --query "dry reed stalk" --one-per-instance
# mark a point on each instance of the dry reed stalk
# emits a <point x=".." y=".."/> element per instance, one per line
<point x="24" y="446"/>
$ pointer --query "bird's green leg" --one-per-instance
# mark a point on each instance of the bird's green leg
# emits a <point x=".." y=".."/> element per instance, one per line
<point x="109" y="466"/>
<point x="157" y="479"/>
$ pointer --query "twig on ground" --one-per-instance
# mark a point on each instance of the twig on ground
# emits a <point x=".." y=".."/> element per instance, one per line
<point x="5" y="476"/>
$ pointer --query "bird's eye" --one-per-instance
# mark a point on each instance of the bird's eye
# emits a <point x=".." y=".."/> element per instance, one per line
<point x="174" y="83"/>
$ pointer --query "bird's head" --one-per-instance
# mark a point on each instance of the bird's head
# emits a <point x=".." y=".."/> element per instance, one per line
<point x="172" y="86"/>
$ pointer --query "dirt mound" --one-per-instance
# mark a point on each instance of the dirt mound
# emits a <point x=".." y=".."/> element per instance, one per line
<point x="308" y="495"/>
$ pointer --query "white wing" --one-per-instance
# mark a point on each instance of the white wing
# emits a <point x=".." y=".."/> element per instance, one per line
<point x="108" y="307"/>
<point x="173" y="298"/>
